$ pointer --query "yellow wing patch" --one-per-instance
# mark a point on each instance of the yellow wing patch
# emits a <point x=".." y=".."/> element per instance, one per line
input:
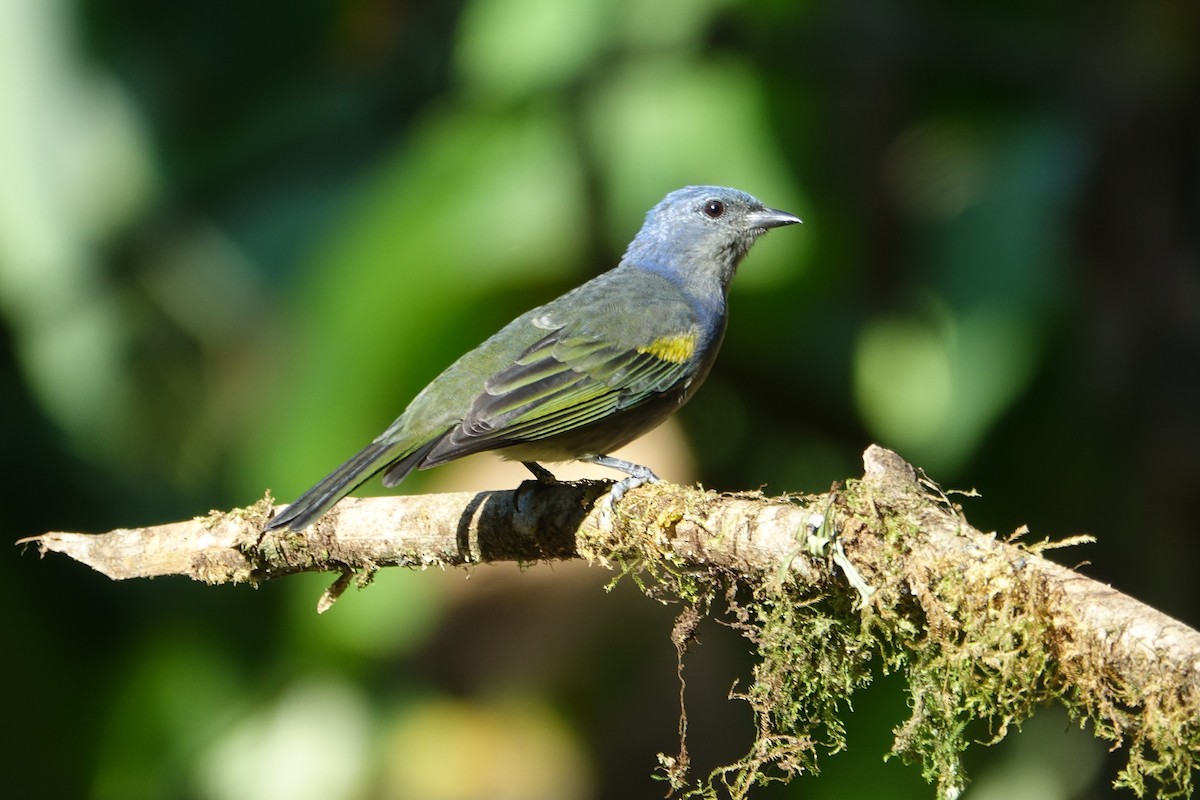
<point x="676" y="348"/>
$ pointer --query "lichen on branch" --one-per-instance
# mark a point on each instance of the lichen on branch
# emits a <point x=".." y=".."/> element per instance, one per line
<point x="985" y="631"/>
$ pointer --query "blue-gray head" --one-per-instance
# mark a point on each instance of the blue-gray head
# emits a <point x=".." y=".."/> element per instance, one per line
<point x="699" y="234"/>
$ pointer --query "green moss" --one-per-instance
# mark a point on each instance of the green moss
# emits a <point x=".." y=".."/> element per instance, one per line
<point x="981" y="655"/>
<point x="976" y="639"/>
<point x="813" y="653"/>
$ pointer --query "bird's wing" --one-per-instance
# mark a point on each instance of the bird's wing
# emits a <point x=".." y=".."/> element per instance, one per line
<point x="568" y="379"/>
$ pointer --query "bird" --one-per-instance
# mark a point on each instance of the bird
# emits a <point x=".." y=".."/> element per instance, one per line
<point x="586" y="373"/>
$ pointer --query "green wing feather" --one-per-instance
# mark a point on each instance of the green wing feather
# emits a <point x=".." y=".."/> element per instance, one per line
<point x="564" y="382"/>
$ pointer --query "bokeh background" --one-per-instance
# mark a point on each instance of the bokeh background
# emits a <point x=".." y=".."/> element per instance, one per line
<point x="236" y="238"/>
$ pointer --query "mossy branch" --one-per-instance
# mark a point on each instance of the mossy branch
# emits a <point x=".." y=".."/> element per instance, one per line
<point x="984" y="630"/>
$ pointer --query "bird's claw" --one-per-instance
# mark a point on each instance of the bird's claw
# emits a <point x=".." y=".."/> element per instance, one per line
<point x="622" y="486"/>
<point x="638" y="476"/>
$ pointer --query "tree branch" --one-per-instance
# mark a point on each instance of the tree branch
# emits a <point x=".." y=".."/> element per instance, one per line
<point x="984" y="629"/>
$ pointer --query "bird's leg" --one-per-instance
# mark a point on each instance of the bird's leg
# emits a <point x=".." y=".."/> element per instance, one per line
<point x="638" y="474"/>
<point x="542" y="474"/>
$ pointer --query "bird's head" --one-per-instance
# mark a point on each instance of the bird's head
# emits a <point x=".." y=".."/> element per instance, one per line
<point x="701" y="233"/>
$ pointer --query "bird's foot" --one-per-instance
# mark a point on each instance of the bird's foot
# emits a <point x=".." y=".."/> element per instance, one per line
<point x="622" y="486"/>
<point x="638" y="475"/>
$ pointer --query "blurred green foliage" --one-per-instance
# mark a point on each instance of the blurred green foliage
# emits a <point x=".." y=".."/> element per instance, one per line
<point x="236" y="238"/>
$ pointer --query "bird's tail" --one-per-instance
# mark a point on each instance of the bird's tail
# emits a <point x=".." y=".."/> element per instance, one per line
<point x="337" y="484"/>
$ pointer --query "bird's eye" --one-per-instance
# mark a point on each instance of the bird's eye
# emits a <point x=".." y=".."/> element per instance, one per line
<point x="714" y="208"/>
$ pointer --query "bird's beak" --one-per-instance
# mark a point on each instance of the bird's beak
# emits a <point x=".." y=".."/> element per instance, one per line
<point x="768" y="218"/>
